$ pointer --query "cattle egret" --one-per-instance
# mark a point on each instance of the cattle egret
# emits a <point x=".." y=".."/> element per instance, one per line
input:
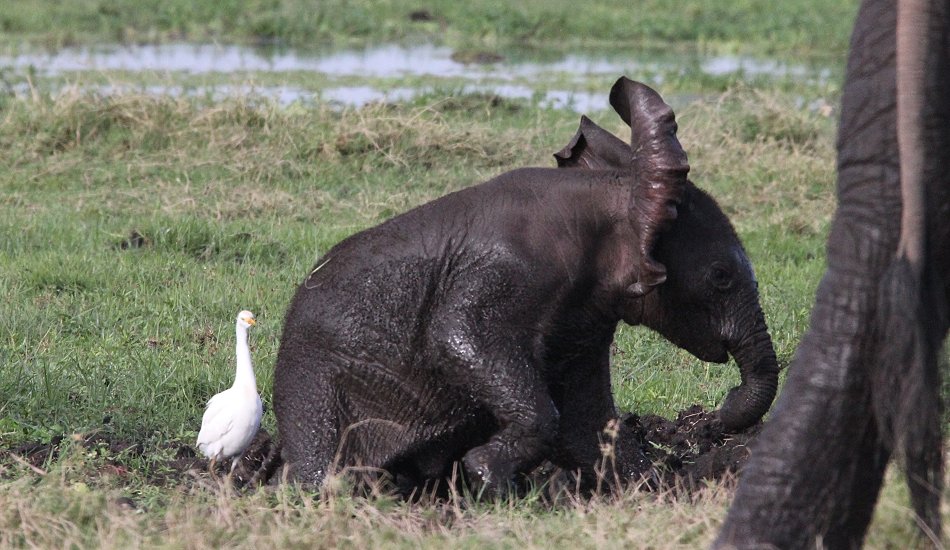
<point x="233" y="416"/>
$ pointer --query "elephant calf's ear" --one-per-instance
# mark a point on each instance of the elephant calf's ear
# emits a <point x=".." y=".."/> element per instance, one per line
<point x="660" y="167"/>
<point x="594" y="148"/>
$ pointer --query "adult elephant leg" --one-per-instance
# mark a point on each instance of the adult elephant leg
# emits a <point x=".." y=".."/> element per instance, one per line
<point x="915" y="289"/>
<point x="898" y="298"/>
<point x="805" y="481"/>
<point x="847" y="526"/>
<point x="818" y="464"/>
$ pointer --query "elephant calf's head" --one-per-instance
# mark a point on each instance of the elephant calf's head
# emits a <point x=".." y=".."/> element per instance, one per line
<point x="695" y="284"/>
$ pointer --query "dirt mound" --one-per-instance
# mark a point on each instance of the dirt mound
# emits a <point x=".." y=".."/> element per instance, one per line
<point x="685" y="453"/>
<point x="693" y="448"/>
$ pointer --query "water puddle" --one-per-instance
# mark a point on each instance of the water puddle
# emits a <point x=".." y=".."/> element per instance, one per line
<point x="557" y="83"/>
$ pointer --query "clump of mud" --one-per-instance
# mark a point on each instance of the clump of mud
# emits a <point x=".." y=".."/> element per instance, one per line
<point x="260" y="462"/>
<point x="685" y="453"/>
<point x="693" y="448"/>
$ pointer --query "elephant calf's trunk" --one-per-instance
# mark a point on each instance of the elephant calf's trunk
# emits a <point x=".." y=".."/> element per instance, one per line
<point x="749" y="401"/>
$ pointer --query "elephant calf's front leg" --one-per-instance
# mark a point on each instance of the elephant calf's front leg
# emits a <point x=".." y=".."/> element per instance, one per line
<point x="528" y="423"/>
<point x="591" y="438"/>
<point x="510" y="388"/>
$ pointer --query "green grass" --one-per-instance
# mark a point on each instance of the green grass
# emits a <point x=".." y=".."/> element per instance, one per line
<point x="231" y="203"/>
<point x="812" y="27"/>
<point x="234" y="202"/>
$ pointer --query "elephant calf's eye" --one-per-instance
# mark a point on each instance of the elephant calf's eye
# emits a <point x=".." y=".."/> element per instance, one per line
<point x="720" y="276"/>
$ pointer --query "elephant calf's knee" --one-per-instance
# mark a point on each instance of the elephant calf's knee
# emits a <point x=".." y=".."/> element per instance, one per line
<point x="533" y="432"/>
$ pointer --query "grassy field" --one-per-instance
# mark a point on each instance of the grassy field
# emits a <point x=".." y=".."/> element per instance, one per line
<point x="232" y="203"/>
<point x="133" y="227"/>
<point x="812" y="27"/>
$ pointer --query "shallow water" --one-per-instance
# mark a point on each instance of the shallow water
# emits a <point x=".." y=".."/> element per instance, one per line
<point x="514" y="77"/>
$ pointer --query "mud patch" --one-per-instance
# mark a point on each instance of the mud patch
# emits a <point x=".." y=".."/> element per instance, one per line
<point x="693" y="448"/>
<point x="162" y="465"/>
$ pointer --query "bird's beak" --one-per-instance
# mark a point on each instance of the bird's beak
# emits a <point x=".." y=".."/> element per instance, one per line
<point x="251" y="321"/>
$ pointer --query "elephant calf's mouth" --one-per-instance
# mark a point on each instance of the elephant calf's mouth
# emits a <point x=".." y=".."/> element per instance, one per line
<point x="715" y="355"/>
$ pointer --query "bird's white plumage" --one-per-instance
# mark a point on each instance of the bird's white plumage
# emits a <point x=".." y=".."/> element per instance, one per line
<point x="232" y="417"/>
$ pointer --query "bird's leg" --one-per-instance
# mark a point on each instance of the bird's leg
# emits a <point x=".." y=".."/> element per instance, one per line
<point x="211" y="464"/>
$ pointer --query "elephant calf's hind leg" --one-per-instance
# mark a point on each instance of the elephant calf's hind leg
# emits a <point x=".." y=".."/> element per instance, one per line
<point x="310" y="436"/>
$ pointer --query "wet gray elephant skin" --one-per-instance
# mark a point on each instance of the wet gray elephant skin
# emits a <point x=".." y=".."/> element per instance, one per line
<point x="477" y="327"/>
<point x="865" y="383"/>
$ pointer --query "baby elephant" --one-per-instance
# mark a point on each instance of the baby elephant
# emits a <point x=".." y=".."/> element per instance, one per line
<point x="477" y="327"/>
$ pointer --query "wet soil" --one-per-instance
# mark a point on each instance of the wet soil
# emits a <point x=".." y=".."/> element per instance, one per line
<point x="693" y="448"/>
<point x="686" y="452"/>
<point x="112" y="456"/>
<point x="163" y="465"/>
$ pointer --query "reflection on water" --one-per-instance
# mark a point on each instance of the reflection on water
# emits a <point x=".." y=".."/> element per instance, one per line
<point x="383" y="61"/>
<point x="394" y="61"/>
<point x="377" y="61"/>
<point x="358" y="96"/>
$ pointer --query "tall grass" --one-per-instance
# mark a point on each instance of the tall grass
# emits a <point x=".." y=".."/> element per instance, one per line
<point x="63" y="510"/>
<point x="75" y="505"/>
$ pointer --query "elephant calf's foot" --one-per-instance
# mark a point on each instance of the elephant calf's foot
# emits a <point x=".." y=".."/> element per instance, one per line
<point x="493" y="468"/>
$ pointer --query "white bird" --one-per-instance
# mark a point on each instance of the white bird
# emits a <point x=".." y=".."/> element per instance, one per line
<point x="233" y="416"/>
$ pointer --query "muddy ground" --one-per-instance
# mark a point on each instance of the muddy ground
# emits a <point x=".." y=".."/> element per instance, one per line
<point x="686" y="451"/>
<point x="693" y="447"/>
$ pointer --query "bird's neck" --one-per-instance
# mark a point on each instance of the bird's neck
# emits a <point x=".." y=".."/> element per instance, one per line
<point x="245" y="372"/>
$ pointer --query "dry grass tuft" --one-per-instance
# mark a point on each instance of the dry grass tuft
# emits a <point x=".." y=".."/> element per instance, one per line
<point x="60" y="510"/>
<point x="71" y="506"/>
<point x="420" y="138"/>
<point x="241" y="158"/>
